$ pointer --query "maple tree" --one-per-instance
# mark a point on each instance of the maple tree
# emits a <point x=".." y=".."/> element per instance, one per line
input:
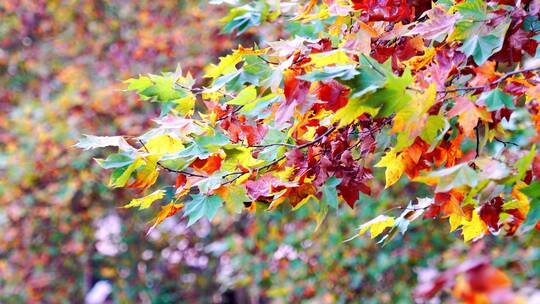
<point x="437" y="94"/>
<point x="63" y="233"/>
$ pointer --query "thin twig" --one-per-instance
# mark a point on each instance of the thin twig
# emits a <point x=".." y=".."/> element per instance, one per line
<point x="414" y="89"/>
<point x="231" y="114"/>
<point x="192" y="90"/>
<point x="292" y="146"/>
<point x="477" y="139"/>
<point x="275" y="161"/>
<point x="496" y="82"/>
<point x="169" y="169"/>
<point x="267" y="61"/>
<point x="318" y="139"/>
<point x="505" y="143"/>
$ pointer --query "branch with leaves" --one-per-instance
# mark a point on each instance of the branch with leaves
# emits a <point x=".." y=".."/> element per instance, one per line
<point x="316" y="118"/>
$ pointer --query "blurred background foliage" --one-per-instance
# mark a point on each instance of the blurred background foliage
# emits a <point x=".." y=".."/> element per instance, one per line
<point x="64" y="239"/>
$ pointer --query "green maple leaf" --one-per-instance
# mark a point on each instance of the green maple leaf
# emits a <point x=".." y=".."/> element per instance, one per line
<point x="202" y="206"/>
<point x="163" y="89"/>
<point x="481" y="47"/>
<point x="329" y="192"/>
<point x="497" y="99"/>
<point x="533" y="192"/>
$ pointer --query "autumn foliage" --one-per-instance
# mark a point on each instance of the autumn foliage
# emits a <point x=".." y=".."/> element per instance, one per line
<point x="358" y="98"/>
<point x="437" y="95"/>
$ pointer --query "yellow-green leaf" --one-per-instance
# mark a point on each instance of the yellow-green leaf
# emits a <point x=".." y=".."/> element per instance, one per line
<point x="145" y="202"/>
<point x="121" y="180"/>
<point x="245" y="96"/>
<point x="226" y="65"/>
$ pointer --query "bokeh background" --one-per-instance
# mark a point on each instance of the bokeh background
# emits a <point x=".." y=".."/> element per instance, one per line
<point x="63" y="238"/>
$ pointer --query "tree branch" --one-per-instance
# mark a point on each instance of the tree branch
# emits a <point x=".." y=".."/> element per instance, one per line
<point x="496" y="82"/>
<point x="292" y="146"/>
<point x="477" y="139"/>
<point x="275" y="161"/>
<point x="169" y="169"/>
<point x="230" y="114"/>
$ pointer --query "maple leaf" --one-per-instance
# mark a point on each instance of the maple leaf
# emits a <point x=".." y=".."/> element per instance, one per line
<point x="496" y="99"/>
<point x="266" y="186"/>
<point x="481" y="47"/>
<point x="121" y="175"/>
<point x="350" y="189"/>
<point x="295" y="91"/>
<point x="166" y="212"/>
<point x="320" y="60"/>
<point x="485" y="74"/>
<point x="147" y="201"/>
<point x="383" y="10"/>
<point x="244" y="97"/>
<point x="469" y="114"/>
<point x="234" y="197"/>
<point x="447" y="203"/>
<point x="163" y="144"/>
<point x="490" y="212"/>
<point x="394" y="167"/>
<point x="418" y="62"/>
<point x="226" y="66"/>
<point x="92" y="142"/>
<point x="202" y="206"/>
<point x="474" y="228"/>
<point x="377" y="225"/>
<point x="207" y="165"/>
<point x="411" y="118"/>
<point x="438" y="25"/>
<point x="146" y="176"/>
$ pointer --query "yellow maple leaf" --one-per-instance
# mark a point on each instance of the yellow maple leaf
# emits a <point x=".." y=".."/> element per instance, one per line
<point x="240" y="156"/>
<point x="394" y="167"/>
<point x="145" y="202"/>
<point x="473" y="228"/>
<point x="163" y="144"/>
<point x="455" y="221"/>
<point x="418" y="62"/>
<point x="185" y="105"/>
<point x="320" y="60"/>
<point x="310" y="133"/>
<point x="286" y="174"/>
<point x="212" y="96"/>
<point x="250" y="51"/>
<point x="377" y="225"/>
<point x="226" y="65"/>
